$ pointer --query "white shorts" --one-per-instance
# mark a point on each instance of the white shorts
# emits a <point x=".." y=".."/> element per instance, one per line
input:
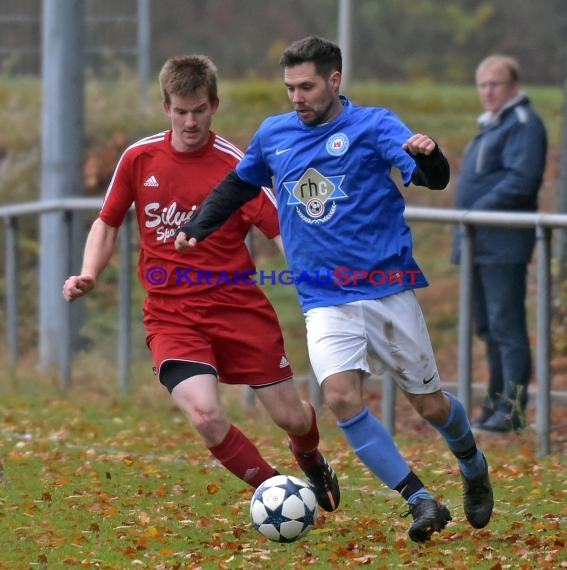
<point x="391" y="329"/>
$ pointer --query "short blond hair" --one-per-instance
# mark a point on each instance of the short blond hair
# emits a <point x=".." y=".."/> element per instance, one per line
<point x="185" y="75"/>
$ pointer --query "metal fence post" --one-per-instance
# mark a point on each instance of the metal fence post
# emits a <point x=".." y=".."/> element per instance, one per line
<point x="543" y="327"/>
<point x="125" y="304"/>
<point x="144" y="51"/>
<point x="65" y="342"/>
<point x="62" y="145"/>
<point x="11" y="303"/>
<point x="464" y="381"/>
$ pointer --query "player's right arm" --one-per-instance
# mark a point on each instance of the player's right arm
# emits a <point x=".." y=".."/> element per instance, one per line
<point x="98" y="251"/>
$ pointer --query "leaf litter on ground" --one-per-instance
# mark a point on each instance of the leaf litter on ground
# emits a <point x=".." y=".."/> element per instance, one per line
<point x="127" y="483"/>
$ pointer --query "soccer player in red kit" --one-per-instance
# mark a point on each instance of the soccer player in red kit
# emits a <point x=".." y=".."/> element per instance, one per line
<point x="205" y="322"/>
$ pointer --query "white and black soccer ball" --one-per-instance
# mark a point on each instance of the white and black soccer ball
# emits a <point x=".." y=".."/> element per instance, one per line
<point x="283" y="508"/>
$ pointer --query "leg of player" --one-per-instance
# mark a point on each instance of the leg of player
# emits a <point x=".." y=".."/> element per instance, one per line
<point x="376" y="448"/>
<point x="401" y="341"/>
<point x="447" y="415"/>
<point x="298" y="419"/>
<point x="198" y="397"/>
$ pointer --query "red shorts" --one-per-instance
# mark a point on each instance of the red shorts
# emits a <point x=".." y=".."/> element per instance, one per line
<point x="233" y="329"/>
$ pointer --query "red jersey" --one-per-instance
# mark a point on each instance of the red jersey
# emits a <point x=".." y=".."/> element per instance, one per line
<point x="167" y="187"/>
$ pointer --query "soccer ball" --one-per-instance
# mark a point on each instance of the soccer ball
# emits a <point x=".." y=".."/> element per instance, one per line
<point x="283" y="508"/>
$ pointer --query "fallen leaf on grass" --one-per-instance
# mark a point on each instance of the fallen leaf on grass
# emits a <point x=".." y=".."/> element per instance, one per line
<point x="212" y="488"/>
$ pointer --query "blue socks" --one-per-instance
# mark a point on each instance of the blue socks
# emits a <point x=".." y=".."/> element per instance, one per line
<point x="376" y="448"/>
<point x="459" y="437"/>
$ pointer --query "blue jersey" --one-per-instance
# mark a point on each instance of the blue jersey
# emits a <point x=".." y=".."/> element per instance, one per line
<point x="341" y="214"/>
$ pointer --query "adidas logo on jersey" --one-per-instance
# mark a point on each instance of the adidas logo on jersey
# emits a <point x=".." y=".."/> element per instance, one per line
<point x="284" y="362"/>
<point x="151" y="182"/>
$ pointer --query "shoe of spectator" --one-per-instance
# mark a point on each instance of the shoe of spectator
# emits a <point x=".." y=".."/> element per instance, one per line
<point x="478" y="498"/>
<point x="501" y="422"/>
<point x="485" y="414"/>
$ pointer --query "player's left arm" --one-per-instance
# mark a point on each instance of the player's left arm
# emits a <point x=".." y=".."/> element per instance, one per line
<point x="432" y="167"/>
<point x="229" y="195"/>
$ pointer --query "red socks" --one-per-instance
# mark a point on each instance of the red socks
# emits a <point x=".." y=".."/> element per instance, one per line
<point x="304" y="447"/>
<point x="241" y="457"/>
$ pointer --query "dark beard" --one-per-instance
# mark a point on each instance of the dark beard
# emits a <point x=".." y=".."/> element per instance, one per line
<point x="322" y="117"/>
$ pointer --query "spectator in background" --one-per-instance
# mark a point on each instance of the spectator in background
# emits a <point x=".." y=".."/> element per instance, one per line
<point x="194" y="327"/>
<point x="502" y="169"/>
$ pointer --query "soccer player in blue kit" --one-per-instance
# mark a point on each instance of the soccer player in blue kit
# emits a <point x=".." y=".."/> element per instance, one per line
<point x="344" y="234"/>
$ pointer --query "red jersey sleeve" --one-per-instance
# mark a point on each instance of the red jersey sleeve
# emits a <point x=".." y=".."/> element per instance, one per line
<point x="120" y="194"/>
<point x="262" y="213"/>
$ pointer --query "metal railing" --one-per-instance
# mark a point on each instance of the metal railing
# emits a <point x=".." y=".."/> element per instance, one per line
<point x="544" y="224"/>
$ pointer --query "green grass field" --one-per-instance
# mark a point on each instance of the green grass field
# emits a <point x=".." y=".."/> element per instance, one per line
<point x="97" y="481"/>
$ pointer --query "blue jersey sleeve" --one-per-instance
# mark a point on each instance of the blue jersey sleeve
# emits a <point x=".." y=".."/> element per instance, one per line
<point x="392" y="134"/>
<point x="253" y="168"/>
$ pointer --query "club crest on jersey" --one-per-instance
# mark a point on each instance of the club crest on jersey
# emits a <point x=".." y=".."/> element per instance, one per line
<point x="337" y="144"/>
<point x="312" y="193"/>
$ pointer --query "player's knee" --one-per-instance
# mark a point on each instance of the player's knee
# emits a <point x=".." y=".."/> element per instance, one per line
<point x="433" y="408"/>
<point x="211" y="425"/>
<point x="293" y="421"/>
<point x="343" y="404"/>
<point x="205" y="419"/>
